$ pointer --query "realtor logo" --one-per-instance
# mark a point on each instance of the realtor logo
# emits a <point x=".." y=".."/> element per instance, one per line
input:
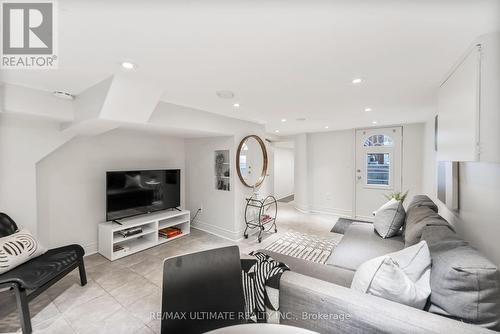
<point x="28" y="35"/>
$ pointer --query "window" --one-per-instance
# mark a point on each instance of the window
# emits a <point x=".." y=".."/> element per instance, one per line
<point x="379" y="140"/>
<point x="378" y="168"/>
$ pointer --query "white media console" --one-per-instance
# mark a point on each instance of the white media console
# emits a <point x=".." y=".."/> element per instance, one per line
<point x="109" y="235"/>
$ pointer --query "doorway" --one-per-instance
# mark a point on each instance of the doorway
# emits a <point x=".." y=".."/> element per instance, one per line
<point x="378" y="168"/>
<point x="284" y="156"/>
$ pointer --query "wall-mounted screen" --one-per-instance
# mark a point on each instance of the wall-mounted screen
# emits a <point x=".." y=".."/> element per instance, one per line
<point x="131" y="193"/>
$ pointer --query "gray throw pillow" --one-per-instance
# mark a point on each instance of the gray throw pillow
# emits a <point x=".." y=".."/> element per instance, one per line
<point x="465" y="285"/>
<point x="434" y="235"/>
<point x="418" y="201"/>
<point x="422" y="200"/>
<point x="389" y="218"/>
<point x="418" y="218"/>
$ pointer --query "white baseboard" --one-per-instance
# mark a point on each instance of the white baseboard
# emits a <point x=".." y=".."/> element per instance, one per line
<point x="332" y="211"/>
<point x="302" y="208"/>
<point x="90" y="249"/>
<point x="281" y="197"/>
<point x="328" y="211"/>
<point x="216" y="230"/>
<point x="250" y="233"/>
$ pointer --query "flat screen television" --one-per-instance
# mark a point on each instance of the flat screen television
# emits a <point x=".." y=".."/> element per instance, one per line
<point x="131" y="193"/>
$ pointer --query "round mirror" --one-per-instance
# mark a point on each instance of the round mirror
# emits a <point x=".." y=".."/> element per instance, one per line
<point x="251" y="161"/>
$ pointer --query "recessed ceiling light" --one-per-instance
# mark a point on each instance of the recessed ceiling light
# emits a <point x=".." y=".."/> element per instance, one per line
<point x="63" y="95"/>
<point x="283" y="120"/>
<point x="225" y="94"/>
<point x="301" y="119"/>
<point x="368" y="109"/>
<point x="236" y="105"/>
<point x="374" y="122"/>
<point x="357" y="81"/>
<point x="128" y="65"/>
<point x="277" y="131"/>
<point x="326" y="127"/>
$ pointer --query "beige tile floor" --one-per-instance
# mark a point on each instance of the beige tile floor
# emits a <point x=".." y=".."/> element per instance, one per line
<point x="121" y="295"/>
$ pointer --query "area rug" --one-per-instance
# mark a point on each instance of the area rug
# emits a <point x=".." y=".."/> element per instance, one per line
<point x="302" y="246"/>
<point x="343" y="224"/>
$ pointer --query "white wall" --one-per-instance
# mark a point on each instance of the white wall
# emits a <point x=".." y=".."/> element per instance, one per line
<point x="223" y="211"/>
<point x="413" y="156"/>
<point x="478" y="219"/>
<point x="24" y="140"/>
<point x="331" y="171"/>
<point x="72" y="180"/>
<point x="325" y="163"/>
<point x="26" y="189"/>
<point x="218" y="212"/>
<point x="283" y="171"/>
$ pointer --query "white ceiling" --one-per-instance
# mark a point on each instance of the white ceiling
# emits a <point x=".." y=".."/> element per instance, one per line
<point x="282" y="59"/>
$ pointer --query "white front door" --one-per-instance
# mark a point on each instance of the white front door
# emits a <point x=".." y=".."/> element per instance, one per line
<point x="378" y="168"/>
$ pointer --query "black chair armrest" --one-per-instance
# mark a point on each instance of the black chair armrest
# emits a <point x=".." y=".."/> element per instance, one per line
<point x="7" y="225"/>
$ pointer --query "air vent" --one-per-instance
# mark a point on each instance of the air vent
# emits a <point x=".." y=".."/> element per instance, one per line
<point x="225" y="94"/>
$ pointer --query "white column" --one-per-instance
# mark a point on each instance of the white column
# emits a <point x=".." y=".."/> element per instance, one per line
<point x="301" y="173"/>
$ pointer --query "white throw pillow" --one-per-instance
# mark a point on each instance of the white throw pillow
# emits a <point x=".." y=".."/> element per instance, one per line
<point x="402" y="277"/>
<point x="17" y="248"/>
<point x="389" y="218"/>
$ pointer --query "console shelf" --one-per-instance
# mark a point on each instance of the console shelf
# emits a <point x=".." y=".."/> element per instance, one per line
<point x="110" y="237"/>
<point x="117" y="238"/>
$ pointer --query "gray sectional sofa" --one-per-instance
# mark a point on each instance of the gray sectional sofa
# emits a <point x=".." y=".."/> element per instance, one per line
<point x="465" y="286"/>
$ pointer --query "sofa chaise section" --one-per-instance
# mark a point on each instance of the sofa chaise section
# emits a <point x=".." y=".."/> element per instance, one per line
<point x="325" y="307"/>
<point x="361" y="243"/>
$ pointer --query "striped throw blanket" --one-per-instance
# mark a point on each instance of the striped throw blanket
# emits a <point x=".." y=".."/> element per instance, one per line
<point x="256" y="274"/>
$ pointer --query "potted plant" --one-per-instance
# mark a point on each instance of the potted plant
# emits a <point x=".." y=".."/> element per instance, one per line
<point x="398" y="196"/>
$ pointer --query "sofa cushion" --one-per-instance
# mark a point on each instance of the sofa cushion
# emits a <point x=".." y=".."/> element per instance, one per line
<point x="417" y="219"/>
<point x="360" y="244"/>
<point x="403" y="276"/>
<point x="419" y="201"/>
<point x="465" y="285"/>
<point x="434" y="235"/>
<point x="389" y="218"/>
<point x="422" y="200"/>
<point x="18" y="248"/>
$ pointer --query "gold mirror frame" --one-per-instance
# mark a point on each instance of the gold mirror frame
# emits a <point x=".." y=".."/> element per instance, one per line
<point x="264" y="160"/>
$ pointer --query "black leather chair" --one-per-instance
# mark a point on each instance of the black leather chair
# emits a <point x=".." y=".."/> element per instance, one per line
<point x="200" y="287"/>
<point x="33" y="277"/>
